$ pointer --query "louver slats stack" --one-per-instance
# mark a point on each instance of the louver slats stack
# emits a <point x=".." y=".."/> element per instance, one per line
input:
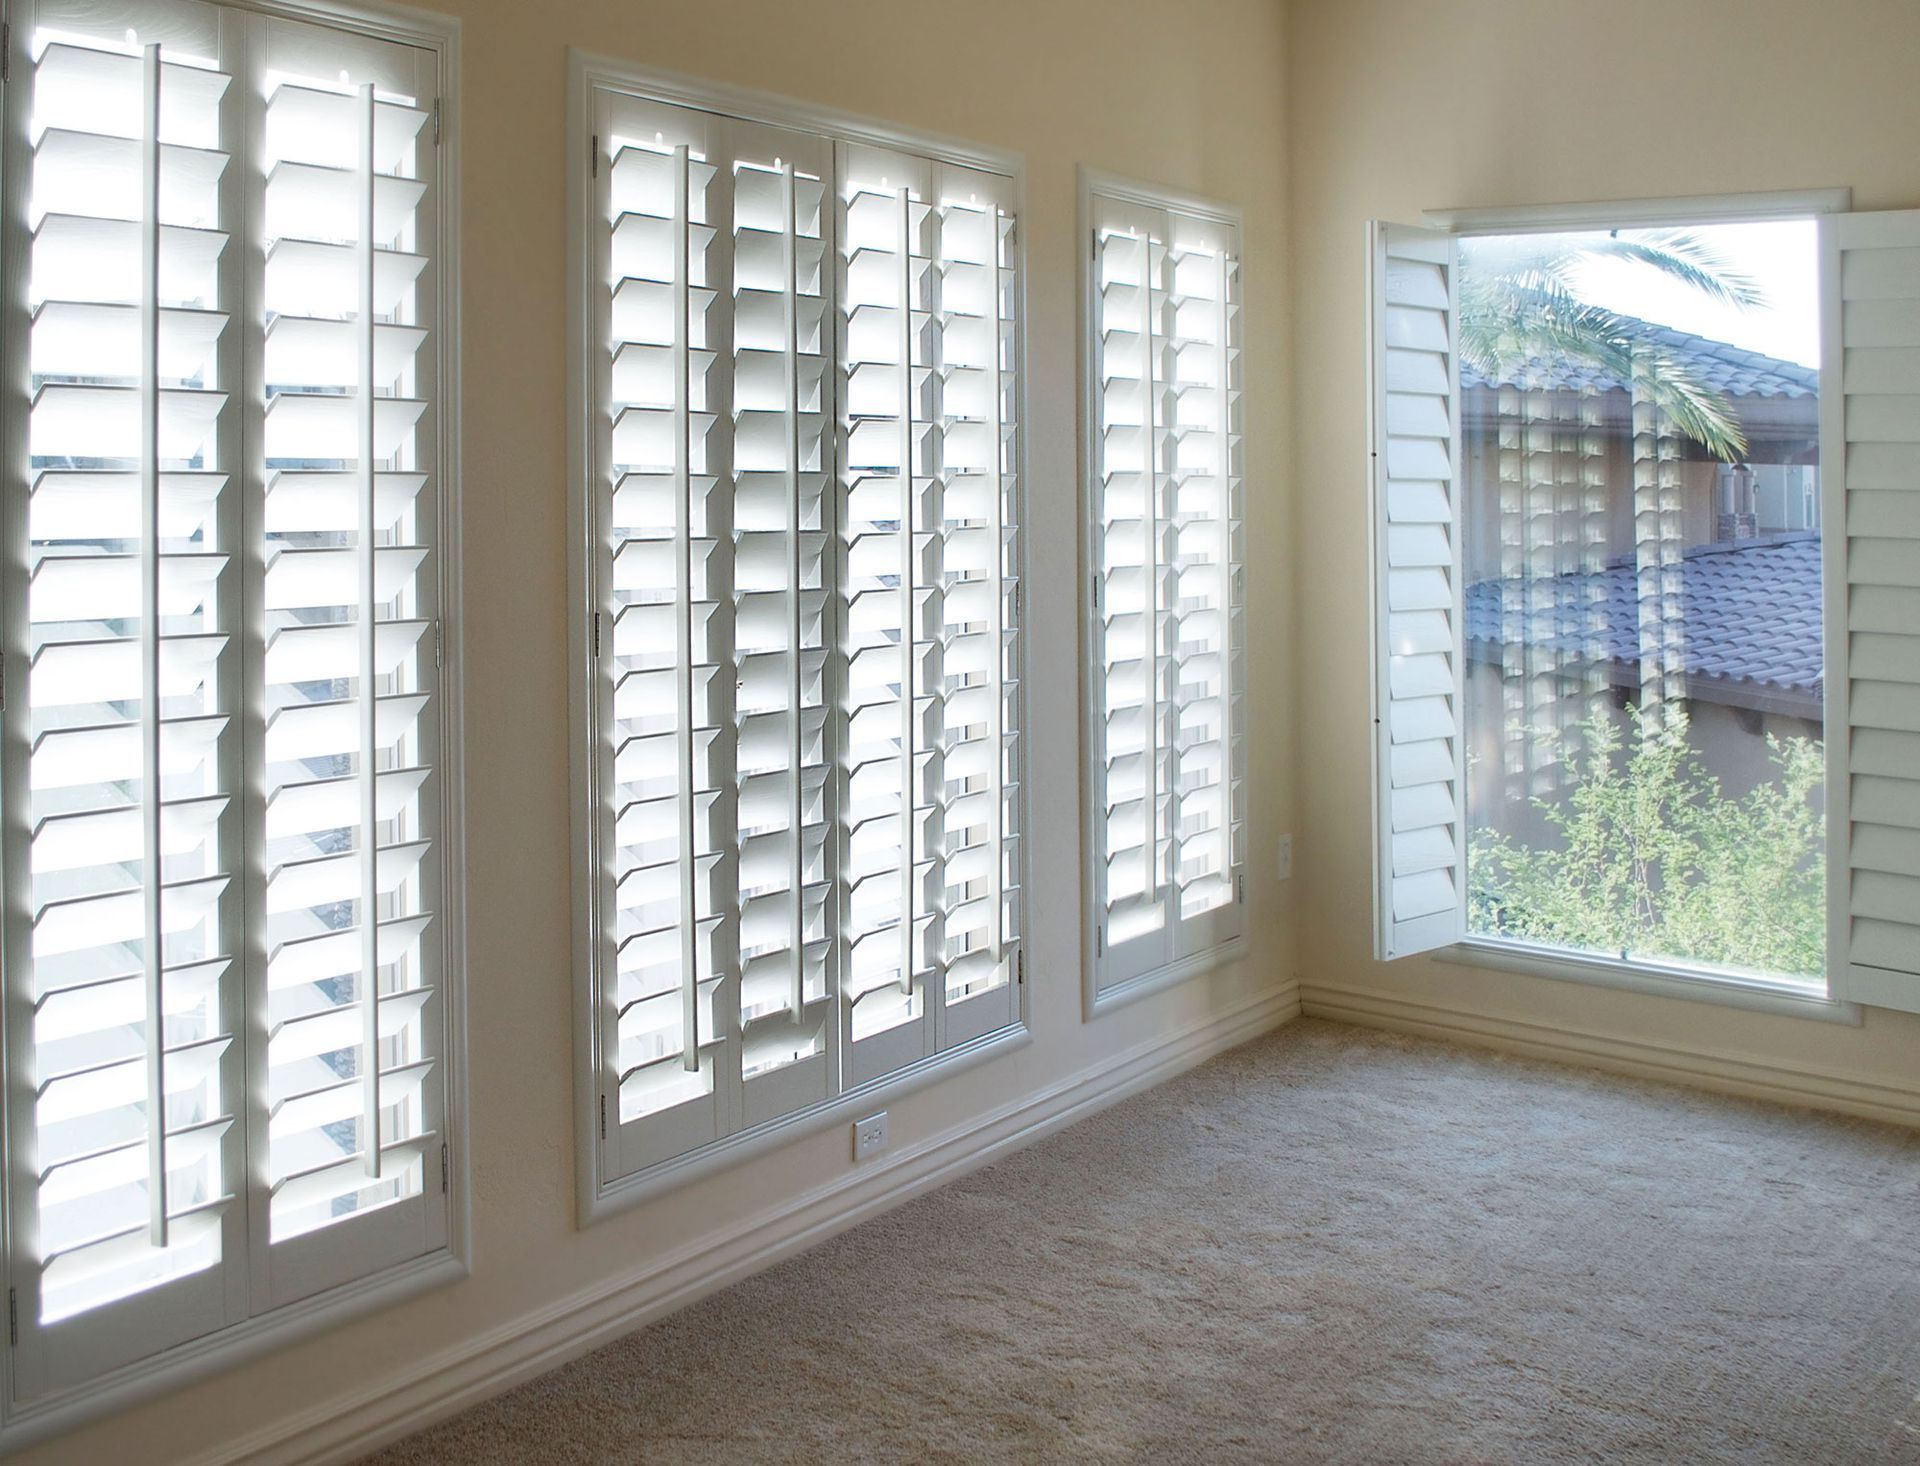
<point x="130" y="609"/>
<point x="1870" y="401"/>
<point x="349" y="659"/>
<point x="1168" y="589"/>
<point x="1421" y="842"/>
<point x="805" y="681"/>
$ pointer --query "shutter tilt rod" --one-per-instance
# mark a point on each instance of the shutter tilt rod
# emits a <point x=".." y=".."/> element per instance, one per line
<point x="906" y="591"/>
<point x="790" y="247"/>
<point x="683" y="544"/>
<point x="368" y="629"/>
<point x="152" y="940"/>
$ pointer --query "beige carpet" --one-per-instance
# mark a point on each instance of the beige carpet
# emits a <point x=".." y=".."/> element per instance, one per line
<point x="1331" y="1245"/>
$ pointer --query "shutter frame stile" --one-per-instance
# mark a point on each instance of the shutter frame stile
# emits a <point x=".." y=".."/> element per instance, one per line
<point x="1870" y="473"/>
<point x="192" y="500"/>
<point x="1186" y="307"/>
<point x="771" y="850"/>
<point x="1402" y="261"/>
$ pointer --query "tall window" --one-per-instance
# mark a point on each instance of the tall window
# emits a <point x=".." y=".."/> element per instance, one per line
<point x="1167" y="643"/>
<point x="1645" y="578"/>
<point x="1641" y="540"/>
<point x="223" y="726"/>
<point x="801" y="565"/>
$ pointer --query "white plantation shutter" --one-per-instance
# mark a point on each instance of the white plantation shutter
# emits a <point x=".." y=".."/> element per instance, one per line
<point x="762" y="592"/>
<point x="1419" y="737"/>
<point x="1870" y="451"/>
<point x="224" y="1038"/>
<point x="927" y="730"/>
<point x="1169" y="643"/>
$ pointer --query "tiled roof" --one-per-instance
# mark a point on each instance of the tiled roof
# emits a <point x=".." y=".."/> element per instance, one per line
<point x="1750" y="613"/>
<point x="1736" y="373"/>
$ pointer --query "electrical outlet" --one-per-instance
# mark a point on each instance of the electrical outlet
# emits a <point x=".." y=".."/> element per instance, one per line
<point x="869" y="1136"/>
<point x="1286" y="856"/>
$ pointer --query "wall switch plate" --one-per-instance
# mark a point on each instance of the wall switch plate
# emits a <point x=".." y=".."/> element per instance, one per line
<point x="869" y="1136"/>
<point x="1286" y="856"/>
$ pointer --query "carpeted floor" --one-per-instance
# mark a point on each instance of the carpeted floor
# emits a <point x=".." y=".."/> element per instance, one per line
<point x="1330" y="1245"/>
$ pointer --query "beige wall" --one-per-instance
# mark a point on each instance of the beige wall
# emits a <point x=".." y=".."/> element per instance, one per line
<point x="1185" y="92"/>
<point x="1395" y="106"/>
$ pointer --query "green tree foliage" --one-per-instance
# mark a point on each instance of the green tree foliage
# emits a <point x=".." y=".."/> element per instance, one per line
<point x="1653" y="859"/>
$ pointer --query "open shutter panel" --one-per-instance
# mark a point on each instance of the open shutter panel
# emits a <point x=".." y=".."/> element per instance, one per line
<point x="1419" y="761"/>
<point x="807" y="682"/>
<point x="1169" y="660"/>
<point x="1870" y="405"/>
<point x="220" y="784"/>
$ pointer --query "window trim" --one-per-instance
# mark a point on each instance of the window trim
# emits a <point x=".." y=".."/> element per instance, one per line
<point x="1697" y="984"/>
<point x="597" y="1195"/>
<point x="213" y="1353"/>
<point x="1097" y="999"/>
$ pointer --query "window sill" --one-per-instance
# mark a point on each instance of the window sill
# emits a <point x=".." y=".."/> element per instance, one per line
<point x="621" y="1193"/>
<point x="1100" y="1000"/>
<point x="1755" y="994"/>
<point x="239" y="1343"/>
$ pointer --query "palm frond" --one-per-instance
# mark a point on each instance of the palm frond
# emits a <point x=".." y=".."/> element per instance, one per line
<point x="1519" y="314"/>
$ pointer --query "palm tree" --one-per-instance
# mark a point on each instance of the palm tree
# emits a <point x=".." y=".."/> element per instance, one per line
<point x="1518" y="308"/>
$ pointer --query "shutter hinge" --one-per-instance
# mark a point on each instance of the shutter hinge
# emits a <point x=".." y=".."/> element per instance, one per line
<point x="596" y="633"/>
<point x="593" y="154"/>
<point x="439" y="643"/>
<point x="6" y="51"/>
<point x="603" y="1117"/>
<point x="443" y="1166"/>
<point x="1096" y="590"/>
<point x="1099" y="941"/>
<point x="1020" y="967"/>
<point x="436" y="122"/>
<point x="3" y="682"/>
<point x="1240" y="889"/>
<point x="13" y="1317"/>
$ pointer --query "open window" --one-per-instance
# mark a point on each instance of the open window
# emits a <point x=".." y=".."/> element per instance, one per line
<point x="1647" y="592"/>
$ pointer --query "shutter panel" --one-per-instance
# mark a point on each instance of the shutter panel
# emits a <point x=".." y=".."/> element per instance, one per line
<point x="351" y="1086"/>
<point x="929" y="901"/>
<point x="125" y="895"/>
<point x="757" y="574"/>
<point x="1419" y="737"/>
<point x="1169" y="673"/>
<point x="223" y="656"/>
<point x="1870" y="430"/>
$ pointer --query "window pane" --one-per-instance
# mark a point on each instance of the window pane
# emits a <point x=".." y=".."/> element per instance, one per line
<point x="1644" y="632"/>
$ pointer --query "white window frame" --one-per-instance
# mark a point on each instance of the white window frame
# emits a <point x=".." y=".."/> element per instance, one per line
<point x="175" y="1368"/>
<point x="1792" y="999"/>
<point x="1098" y="995"/>
<point x="600" y="1194"/>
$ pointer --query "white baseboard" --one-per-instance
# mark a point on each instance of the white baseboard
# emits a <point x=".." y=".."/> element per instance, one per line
<point x="1720" y="1070"/>
<point x="348" y="1426"/>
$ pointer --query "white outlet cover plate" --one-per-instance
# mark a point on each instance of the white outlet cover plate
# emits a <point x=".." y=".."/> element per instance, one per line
<point x="869" y="1136"/>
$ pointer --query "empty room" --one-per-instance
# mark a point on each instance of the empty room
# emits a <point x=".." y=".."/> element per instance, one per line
<point x="943" y="730"/>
